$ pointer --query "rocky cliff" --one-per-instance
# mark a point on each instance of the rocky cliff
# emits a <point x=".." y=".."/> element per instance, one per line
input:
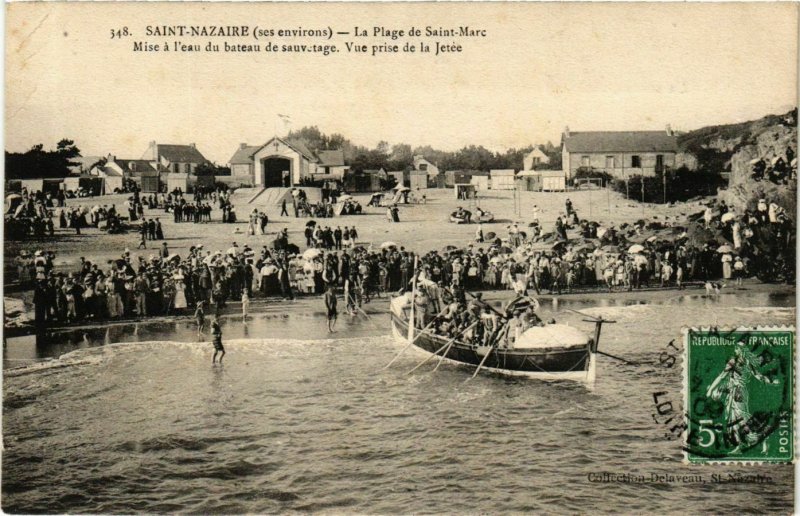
<point x="733" y="148"/>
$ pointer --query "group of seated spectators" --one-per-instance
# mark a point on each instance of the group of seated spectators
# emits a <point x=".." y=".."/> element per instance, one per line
<point x="777" y="170"/>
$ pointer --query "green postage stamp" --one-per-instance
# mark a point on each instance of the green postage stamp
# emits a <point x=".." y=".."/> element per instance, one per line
<point x="739" y="395"/>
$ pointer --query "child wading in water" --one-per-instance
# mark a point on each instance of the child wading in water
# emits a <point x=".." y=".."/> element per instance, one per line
<point x="200" y="316"/>
<point x="330" y="307"/>
<point x="216" y="338"/>
<point x="245" y="305"/>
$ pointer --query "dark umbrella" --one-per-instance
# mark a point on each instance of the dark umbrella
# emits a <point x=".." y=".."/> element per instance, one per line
<point x="490" y="235"/>
<point x="310" y="223"/>
<point x="449" y="248"/>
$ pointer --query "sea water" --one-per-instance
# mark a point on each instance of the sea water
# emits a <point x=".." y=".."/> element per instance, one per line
<point x="138" y="420"/>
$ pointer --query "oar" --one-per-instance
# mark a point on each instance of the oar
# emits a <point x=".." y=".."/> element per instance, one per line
<point x="414" y="339"/>
<point x="609" y="355"/>
<point x="444" y="354"/>
<point x="594" y="319"/>
<point x="481" y="364"/>
<point x="443" y="347"/>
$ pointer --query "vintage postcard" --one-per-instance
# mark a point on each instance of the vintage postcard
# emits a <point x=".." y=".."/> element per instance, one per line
<point x="399" y="258"/>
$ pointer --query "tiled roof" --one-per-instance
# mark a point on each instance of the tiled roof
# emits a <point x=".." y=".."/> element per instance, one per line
<point x="181" y="154"/>
<point x="136" y="167"/>
<point x="244" y="156"/>
<point x="621" y="141"/>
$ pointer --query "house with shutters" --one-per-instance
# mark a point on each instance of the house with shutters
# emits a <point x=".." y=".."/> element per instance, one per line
<point x="116" y="170"/>
<point x="179" y="159"/>
<point x="423" y="165"/>
<point x="621" y="154"/>
<point x="534" y="159"/>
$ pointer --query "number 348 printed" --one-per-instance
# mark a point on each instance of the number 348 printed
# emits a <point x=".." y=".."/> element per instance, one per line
<point x="120" y="33"/>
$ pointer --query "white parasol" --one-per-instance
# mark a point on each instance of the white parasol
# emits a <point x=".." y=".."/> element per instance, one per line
<point x="312" y="253"/>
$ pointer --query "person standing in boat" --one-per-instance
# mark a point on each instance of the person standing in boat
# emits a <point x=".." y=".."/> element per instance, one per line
<point x="421" y="302"/>
<point x="490" y="324"/>
<point x="330" y="307"/>
<point x="216" y="338"/>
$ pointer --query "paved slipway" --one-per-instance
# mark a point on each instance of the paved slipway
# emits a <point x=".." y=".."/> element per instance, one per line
<point x="134" y="418"/>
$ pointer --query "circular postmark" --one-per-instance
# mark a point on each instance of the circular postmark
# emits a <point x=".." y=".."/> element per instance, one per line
<point x="738" y="395"/>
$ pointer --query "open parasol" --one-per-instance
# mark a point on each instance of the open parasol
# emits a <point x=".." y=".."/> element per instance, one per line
<point x="727" y="216"/>
<point x="636" y="248"/>
<point x="388" y="244"/>
<point x="724" y="249"/>
<point x="312" y="253"/>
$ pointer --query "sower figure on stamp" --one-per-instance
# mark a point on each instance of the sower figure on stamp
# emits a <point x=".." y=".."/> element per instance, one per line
<point x="731" y="388"/>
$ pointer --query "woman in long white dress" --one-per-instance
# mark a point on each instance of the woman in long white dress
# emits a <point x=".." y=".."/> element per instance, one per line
<point x="257" y="216"/>
<point x="727" y="271"/>
<point x="251" y="224"/>
<point x="180" y="295"/>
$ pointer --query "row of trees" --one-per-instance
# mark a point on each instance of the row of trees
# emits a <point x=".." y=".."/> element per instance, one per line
<point x="401" y="156"/>
<point x="38" y="163"/>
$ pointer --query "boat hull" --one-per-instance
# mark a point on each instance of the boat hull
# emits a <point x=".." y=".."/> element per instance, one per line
<point x="575" y="363"/>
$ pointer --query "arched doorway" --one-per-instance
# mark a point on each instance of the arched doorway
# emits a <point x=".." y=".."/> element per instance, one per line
<point x="276" y="172"/>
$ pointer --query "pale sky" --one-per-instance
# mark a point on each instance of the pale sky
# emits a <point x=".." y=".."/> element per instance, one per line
<point x="540" y="68"/>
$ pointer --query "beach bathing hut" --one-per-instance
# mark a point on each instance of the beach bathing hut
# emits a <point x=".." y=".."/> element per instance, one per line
<point x="148" y="181"/>
<point x="32" y="185"/>
<point x="553" y="180"/>
<point x="463" y="187"/>
<point x="418" y="180"/>
<point x="529" y="181"/>
<point x="71" y="184"/>
<point x="480" y="179"/>
<point x="502" y="179"/>
<point x="363" y="181"/>
<point x="178" y="181"/>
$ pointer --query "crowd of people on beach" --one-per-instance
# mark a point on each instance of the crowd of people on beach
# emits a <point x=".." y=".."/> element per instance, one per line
<point x="577" y="254"/>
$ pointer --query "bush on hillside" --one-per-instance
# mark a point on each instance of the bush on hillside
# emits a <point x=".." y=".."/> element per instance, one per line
<point x="681" y="185"/>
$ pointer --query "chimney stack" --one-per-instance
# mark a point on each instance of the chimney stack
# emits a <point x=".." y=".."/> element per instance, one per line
<point x="192" y="145"/>
<point x="242" y="146"/>
<point x="669" y="130"/>
<point x="566" y="132"/>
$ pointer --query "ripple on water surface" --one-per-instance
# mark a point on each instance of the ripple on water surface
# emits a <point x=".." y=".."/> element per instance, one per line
<point x="315" y="425"/>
